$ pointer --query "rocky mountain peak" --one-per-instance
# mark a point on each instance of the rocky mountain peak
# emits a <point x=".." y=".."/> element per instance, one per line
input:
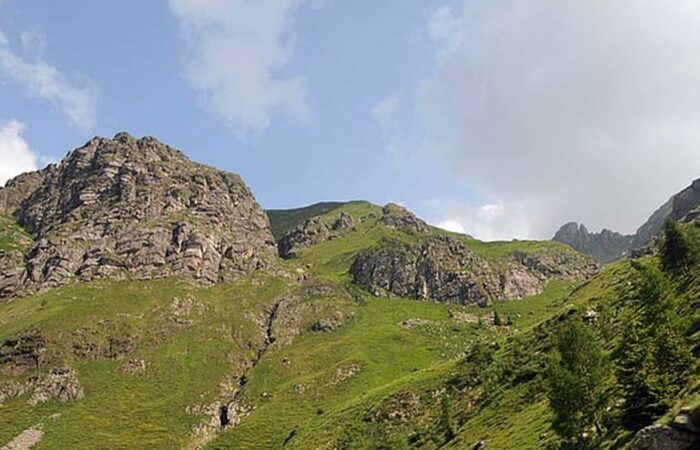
<point x="604" y="246"/>
<point x="134" y="208"/>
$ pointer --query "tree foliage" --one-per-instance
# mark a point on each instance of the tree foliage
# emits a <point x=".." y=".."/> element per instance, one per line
<point x="678" y="253"/>
<point x="577" y="382"/>
<point x="652" y="357"/>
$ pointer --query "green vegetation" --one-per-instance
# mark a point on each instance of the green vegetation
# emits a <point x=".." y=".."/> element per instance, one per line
<point x="12" y="236"/>
<point x="283" y="220"/>
<point x="577" y="379"/>
<point x="315" y="362"/>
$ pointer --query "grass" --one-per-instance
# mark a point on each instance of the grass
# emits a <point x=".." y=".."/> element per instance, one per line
<point x="12" y="236"/>
<point x="283" y="220"/>
<point x="394" y="373"/>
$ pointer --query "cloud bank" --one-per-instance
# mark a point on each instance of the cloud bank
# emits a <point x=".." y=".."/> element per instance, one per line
<point x="236" y="51"/>
<point x="42" y="80"/>
<point x="15" y="154"/>
<point x="565" y="110"/>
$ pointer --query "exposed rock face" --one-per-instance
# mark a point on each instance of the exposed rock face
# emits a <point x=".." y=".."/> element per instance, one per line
<point x="314" y="231"/>
<point x="605" y="246"/>
<point x="683" y="206"/>
<point x="138" y="209"/>
<point x="22" y="353"/>
<point x="441" y="268"/>
<point x="400" y="218"/>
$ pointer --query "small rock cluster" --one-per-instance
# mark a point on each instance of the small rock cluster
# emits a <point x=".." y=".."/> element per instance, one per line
<point x="60" y="383"/>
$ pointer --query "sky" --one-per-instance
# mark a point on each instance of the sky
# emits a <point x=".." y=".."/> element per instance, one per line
<point x="498" y="118"/>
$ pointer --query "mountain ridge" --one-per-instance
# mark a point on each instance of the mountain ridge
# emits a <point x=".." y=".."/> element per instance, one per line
<point x="607" y="245"/>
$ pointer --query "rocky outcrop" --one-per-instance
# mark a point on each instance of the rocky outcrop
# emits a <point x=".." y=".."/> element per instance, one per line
<point x="441" y="268"/>
<point x="60" y="384"/>
<point x="400" y="218"/>
<point x="683" y="433"/>
<point x="135" y="208"/>
<point x="314" y="231"/>
<point x="684" y="206"/>
<point x="22" y="353"/>
<point x="605" y="246"/>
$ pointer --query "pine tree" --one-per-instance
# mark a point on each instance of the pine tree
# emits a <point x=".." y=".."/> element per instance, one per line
<point x="634" y="360"/>
<point x="577" y="381"/>
<point x="677" y="251"/>
<point x="652" y="357"/>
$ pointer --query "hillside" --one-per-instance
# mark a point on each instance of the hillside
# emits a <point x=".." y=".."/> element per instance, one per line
<point x="371" y="330"/>
<point x="283" y="220"/>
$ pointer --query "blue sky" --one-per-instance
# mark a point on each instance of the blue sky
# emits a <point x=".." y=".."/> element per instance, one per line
<point x="453" y="108"/>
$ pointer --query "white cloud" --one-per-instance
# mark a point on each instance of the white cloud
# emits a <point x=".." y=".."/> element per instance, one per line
<point x="445" y="27"/>
<point x="236" y="50"/>
<point x="15" y="154"/>
<point x="384" y="111"/>
<point x="33" y="41"/>
<point x="44" y="81"/>
<point x="451" y="225"/>
<point x="565" y="110"/>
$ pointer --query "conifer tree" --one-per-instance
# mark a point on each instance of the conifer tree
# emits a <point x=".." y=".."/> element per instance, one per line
<point x="577" y="380"/>
<point x="677" y="251"/>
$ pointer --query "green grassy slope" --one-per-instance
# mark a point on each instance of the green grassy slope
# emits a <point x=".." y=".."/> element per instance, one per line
<point x="283" y="220"/>
<point x="12" y="236"/>
<point x="325" y="364"/>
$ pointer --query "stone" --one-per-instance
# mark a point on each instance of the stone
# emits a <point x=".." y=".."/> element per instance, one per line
<point x="657" y="437"/>
<point x="345" y="373"/>
<point x="22" y="353"/>
<point x="60" y="383"/>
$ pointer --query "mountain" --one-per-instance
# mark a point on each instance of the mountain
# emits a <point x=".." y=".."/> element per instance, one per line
<point x="134" y="209"/>
<point x="607" y="246"/>
<point x="147" y="304"/>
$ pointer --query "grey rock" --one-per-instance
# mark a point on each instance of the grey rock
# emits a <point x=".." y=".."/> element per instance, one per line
<point x="314" y="231"/>
<point x="400" y="218"/>
<point x="605" y="246"/>
<point x="22" y="353"/>
<point x="60" y="383"/>
<point x="608" y="245"/>
<point x="138" y="209"/>
<point x="441" y="268"/>
<point x="657" y="437"/>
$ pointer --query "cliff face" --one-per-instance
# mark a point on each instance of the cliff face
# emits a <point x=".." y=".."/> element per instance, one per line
<point x="134" y="208"/>
<point x="442" y="268"/>
<point x="683" y="206"/>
